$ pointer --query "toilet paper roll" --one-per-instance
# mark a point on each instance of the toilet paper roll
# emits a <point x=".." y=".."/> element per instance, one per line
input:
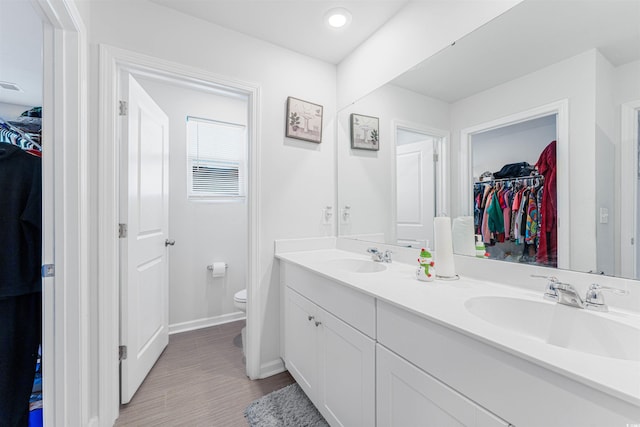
<point x="463" y="236"/>
<point x="443" y="248"/>
<point x="219" y="269"/>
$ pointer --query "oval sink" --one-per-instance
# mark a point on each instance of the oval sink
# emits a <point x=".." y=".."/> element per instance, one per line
<point x="357" y="265"/>
<point x="562" y="326"/>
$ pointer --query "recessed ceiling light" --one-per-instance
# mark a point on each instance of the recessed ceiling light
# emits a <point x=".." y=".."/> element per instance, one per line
<point x="338" y="17"/>
<point x="10" y="86"/>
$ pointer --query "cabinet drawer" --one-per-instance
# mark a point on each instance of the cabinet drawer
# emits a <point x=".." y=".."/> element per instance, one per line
<point x="353" y="307"/>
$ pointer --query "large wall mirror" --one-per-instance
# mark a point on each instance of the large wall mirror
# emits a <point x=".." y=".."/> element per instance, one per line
<point x="544" y="71"/>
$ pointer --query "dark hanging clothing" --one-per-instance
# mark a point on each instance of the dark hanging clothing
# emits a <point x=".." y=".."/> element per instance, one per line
<point x="20" y="280"/>
<point x="548" y="236"/>
<point x="20" y="221"/>
<point x="21" y="320"/>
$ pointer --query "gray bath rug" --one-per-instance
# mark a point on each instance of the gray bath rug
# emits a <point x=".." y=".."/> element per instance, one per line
<point x="287" y="407"/>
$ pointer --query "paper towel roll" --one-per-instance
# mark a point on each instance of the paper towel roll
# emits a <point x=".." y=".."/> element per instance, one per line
<point x="463" y="236"/>
<point x="218" y="269"/>
<point x="443" y="248"/>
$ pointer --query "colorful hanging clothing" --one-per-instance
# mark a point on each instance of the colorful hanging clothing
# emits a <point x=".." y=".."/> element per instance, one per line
<point x="532" y="219"/>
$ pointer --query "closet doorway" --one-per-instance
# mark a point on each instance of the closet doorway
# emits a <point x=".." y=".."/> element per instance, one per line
<point x="65" y="233"/>
<point x="188" y="247"/>
<point x="473" y="165"/>
<point x="21" y="100"/>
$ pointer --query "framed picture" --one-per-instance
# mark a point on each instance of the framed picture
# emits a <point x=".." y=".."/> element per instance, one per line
<point x="364" y="132"/>
<point x="304" y="120"/>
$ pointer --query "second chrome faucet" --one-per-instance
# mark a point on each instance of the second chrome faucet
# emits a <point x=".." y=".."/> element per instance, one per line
<point x="379" y="256"/>
<point x="565" y="293"/>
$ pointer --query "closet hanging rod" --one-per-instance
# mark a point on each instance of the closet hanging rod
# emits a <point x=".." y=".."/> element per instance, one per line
<point x="520" y="178"/>
<point x="20" y="133"/>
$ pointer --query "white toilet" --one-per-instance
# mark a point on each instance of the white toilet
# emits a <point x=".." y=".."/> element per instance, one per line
<point x="240" y="301"/>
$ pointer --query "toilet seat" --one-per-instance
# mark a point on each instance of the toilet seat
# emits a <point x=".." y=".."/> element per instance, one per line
<point x="240" y="299"/>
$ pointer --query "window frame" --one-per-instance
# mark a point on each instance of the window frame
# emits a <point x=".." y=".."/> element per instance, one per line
<point x="242" y="164"/>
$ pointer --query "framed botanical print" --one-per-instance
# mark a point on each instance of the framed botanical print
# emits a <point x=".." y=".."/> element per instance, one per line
<point x="304" y="120"/>
<point x="364" y="132"/>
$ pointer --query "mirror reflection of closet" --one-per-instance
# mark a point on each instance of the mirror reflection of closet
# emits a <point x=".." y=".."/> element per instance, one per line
<point x="508" y="191"/>
<point x="21" y="82"/>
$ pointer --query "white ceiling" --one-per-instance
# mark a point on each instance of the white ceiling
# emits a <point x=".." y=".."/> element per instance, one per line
<point x="297" y="25"/>
<point x="530" y="36"/>
<point x="21" y="52"/>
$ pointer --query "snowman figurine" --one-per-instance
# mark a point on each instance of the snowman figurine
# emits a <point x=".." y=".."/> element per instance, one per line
<point x="425" y="272"/>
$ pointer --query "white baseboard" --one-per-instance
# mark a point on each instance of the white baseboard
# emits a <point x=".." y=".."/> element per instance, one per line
<point x="192" y="325"/>
<point x="271" y="368"/>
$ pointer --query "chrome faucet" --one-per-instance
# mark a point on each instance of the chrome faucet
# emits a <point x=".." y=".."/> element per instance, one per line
<point x="565" y="293"/>
<point x="568" y="295"/>
<point x="378" y="256"/>
<point x="562" y="293"/>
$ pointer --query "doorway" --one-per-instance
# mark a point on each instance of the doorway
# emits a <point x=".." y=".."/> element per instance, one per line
<point x="114" y="61"/>
<point x="21" y="100"/>
<point x="184" y="194"/>
<point x="630" y="184"/>
<point x="416" y="157"/>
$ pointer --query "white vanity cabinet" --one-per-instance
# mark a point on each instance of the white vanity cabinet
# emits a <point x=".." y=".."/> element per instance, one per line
<point x="408" y="396"/>
<point x="384" y="351"/>
<point x="332" y="361"/>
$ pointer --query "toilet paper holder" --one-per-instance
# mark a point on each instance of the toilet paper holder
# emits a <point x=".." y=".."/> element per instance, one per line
<point x="210" y="266"/>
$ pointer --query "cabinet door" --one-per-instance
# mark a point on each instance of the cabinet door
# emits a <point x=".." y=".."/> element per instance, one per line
<point x="301" y="344"/>
<point x="347" y="374"/>
<point x="408" y="396"/>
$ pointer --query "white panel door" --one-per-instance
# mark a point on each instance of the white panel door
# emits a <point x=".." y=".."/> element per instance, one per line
<point x="144" y="314"/>
<point x="347" y="374"/>
<point x="415" y="192"/>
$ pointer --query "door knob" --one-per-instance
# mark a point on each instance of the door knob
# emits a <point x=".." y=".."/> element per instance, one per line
<point x="169" y="242"/>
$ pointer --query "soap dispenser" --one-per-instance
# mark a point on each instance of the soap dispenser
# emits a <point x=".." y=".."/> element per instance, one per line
<point x="481" y="250"/>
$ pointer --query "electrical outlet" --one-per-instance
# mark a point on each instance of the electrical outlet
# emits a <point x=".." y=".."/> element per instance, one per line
<point x="327" y="215"/>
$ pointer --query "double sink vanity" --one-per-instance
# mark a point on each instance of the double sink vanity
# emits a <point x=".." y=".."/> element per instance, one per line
<point x="372" y="346"/>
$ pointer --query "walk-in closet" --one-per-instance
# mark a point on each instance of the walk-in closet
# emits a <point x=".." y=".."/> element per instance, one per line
<point x="514" y="191"/>
<point x="21" y="81"/>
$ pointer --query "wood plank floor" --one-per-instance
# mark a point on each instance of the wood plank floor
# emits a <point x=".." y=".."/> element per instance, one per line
<point x="199" y="380"/>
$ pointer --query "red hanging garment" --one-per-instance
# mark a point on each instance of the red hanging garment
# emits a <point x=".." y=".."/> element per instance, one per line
<point x="548" y="233"/>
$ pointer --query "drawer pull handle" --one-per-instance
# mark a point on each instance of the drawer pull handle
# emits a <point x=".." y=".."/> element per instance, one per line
<point x="310" y="318"/>
<point x="318" y="323"/>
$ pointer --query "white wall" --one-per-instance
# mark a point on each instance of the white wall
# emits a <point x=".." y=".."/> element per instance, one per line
<point x="521" y="142"/>
<point x="574" y="79"/>
<point x="204" y="231"/>
<point x="606" y="145"/>
<point x="12" y="111"/>
<point x="417" y="32"/>
<point x="297" y="178"/>
<point x="365" y="182"/>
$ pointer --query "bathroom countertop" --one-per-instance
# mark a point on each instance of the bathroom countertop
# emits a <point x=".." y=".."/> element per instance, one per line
<point x="443" y="302"/>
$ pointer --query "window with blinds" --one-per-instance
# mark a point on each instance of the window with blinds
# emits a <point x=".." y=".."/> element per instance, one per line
<point x="216" y="159"/>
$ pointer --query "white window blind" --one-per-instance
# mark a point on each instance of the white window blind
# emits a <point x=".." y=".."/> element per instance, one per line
<point x="216" y="159"/>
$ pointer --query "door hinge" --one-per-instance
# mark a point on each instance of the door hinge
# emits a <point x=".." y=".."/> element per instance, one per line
<point x="123" y="108"/>
<point x="633" y="241"/>
<point x="435" y="157"/>
<point x="122" y="352"/>
<point x="48" y="270"/>
<point x="122" y="231"/>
